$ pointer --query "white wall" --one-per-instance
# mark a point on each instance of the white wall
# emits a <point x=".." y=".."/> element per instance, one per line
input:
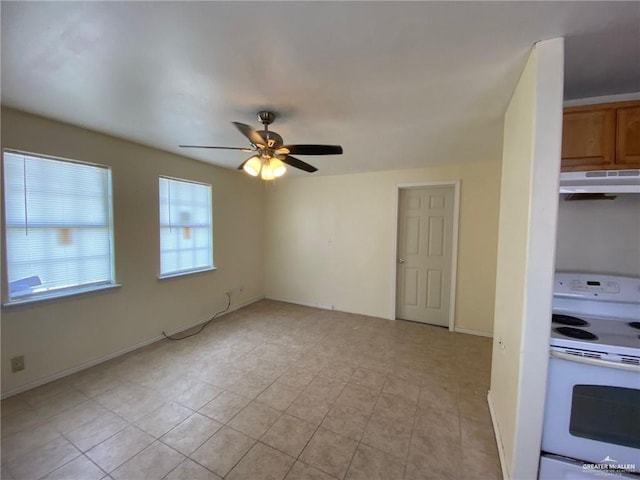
<point x="599" y="236"/>
<point x="525" y="264"/>
<point x="63" y="334"/>
<point x="330" y="240"/>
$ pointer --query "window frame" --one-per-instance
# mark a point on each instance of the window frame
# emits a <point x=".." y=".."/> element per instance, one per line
<point x="190" y="271"/>
<point x="61" y="292"/>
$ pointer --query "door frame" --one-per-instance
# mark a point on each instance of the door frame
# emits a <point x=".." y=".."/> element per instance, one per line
<point x="454" y="242"/>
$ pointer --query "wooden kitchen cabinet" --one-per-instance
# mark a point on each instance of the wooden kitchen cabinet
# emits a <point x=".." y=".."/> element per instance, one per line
<point x="601" y="137"/>
<point x="628" y="136"/>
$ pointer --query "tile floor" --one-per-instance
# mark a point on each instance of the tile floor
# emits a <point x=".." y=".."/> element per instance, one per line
<point x="271" y="391"/>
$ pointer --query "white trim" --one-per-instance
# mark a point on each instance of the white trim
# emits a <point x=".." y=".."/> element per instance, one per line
<point x="498" y="438"/>
<point x="303" y="304"/>
<point x="623" y="97"/>
<point x="474" y="332"/>
<point x="69" y="371"/>
<point x="454" y="242"/>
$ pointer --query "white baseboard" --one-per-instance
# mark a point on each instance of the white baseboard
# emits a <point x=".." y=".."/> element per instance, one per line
<point x="90" y="363"/>
<point x="474" y="332"/>
<point x="303" y="304"/>
<point x="498" y="437"/>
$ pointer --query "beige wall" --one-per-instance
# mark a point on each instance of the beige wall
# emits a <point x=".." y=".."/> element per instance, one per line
<point x="330" y="240"/>
<point x="62" y="334"/>
<point x="525" y="263"/>
<point x="599" y="236"/>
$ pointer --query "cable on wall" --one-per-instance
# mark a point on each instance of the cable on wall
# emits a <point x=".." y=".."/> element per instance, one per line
<point x="202" y="327"/>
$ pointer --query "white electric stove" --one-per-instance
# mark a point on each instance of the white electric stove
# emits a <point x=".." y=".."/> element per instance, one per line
<point x="592" y="412"/>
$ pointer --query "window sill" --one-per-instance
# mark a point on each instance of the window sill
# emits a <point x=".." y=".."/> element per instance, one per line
<point x="55" y="296"/>
<point x="183" y="274"/>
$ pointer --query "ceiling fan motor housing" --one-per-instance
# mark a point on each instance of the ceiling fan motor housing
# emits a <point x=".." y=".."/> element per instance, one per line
<point x="265" y="117"/>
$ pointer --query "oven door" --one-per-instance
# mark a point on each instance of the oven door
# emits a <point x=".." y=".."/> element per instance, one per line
<point x="592" y="410"/>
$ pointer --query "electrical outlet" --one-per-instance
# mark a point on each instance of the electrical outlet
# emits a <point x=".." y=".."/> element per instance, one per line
<point x="17" y="363"/>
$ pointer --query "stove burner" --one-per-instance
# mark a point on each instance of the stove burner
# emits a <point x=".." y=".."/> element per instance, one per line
<point x="635" y="325"/>
<point x="568" y="320"/>
<point x="576" y="333"/>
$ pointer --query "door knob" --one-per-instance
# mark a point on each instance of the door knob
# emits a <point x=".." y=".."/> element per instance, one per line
<point x="401" y="260"/>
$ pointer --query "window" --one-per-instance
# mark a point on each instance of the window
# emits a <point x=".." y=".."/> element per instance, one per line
<point x="59" y="230"/>
<point x="186" y="238"/>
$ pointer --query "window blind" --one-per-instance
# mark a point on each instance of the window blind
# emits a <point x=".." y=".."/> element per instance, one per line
<point x="59" y="234"/>
<point x="186" y="238"/>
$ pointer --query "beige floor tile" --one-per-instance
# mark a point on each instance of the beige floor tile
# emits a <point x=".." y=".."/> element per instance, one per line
<point x="477" y="436"/>
<point x="222" y="451"/>
<point x="435" y="426"/>
<point x="358" y="397"/>
<point x="77" y="416"/>
<point x="270" y="370"/>
<point x="439" y="397"/>
<point x="310" y="408"/>
<point x="440" y="461"/>
<point x="14" y="405"/>
<point x="474" y="407"/>
<point x="329" y="452"/>
<point x="328" y="389"/>
<point x="402" y="388"/>
<point x="302" y="471"/>
<point x="80" y="468"/>
<point x="190" y="470"/>
<point x="389" y="435"/>
<point x="371" y="464"/>
<point x="250" y="386"/>
<point x="369" y="379"/>
<point x="347" y="421"/>
<point x="339" y="370"/>
<point x="300" y="349"/>
<point x="139" y="407"/>
<point x="60" y="402"/>
<point x="160" y="421"/>
<point x="96" y="431"/>
<point x="119" y="395"/>
<point x="255" y="419"/>
<point x="154" y="462"/>
<point x="43" y="459"/>
<point x="225" y="406"/>
<point x="393" y="407"/>
<point x="223" y="376"/>
<point x="289" y="435"/>
<point x="199" y="395"/>
<point x="23" y="442"/>
<point x="278" y="396"/>
<point x="481" y="466"/>
<point x="262" y="463"/>
<point x="191" y="433"/>
<point x="113" y="452"/>
<point x="297" y="378"/>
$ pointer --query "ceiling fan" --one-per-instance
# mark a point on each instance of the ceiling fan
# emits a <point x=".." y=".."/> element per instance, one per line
<point x="270" y="155"/>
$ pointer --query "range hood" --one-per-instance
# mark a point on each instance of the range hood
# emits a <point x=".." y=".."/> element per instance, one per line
<point x="600" y="181"/>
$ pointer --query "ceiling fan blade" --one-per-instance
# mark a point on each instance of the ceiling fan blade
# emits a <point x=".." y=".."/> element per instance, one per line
<point x="244" y="149"/>
<point x="250" y="133"/>
<point x="314" y="149"/>
<point x="294" y="162"/>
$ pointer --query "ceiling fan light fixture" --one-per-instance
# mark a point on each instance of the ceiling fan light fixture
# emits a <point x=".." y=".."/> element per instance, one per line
<point x="253" y="166"/>
<point x="278" y="167"/>
<point x="267" y="171"/>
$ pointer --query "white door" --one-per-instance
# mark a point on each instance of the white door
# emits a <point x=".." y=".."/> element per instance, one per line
<point x="425" y="244"/>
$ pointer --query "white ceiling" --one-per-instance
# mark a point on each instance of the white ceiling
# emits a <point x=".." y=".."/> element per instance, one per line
<point x="398" y="85"/>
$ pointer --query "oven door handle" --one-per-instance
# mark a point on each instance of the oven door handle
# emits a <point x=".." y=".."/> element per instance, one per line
<point x="595" y="361"/>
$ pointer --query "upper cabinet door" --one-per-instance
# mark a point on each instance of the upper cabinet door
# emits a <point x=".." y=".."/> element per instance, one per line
<point x="588" y="138"/>
<point x="628" y="136"/>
